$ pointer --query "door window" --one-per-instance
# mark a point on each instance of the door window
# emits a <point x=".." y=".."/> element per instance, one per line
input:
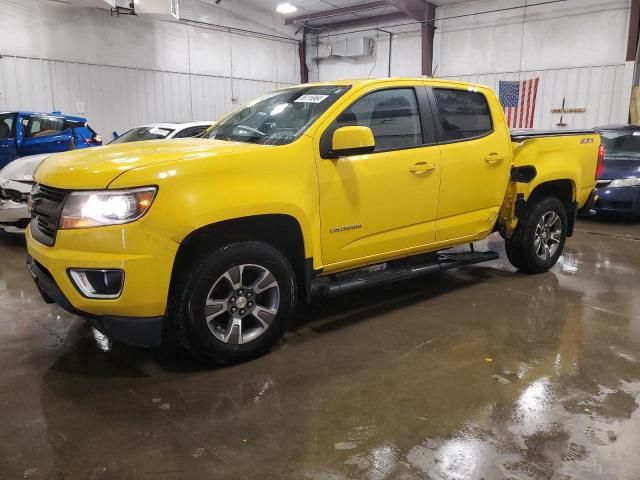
<point x="191" y="132"/>
<point x="392" y="115"/>
<point x="463" y="114"/>
<point x="6" y="125"/>
<point x="43" y="126"/>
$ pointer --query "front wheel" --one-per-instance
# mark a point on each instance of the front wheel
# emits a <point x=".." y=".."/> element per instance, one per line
<point x="235" y="302"/>
<point x="539" y="238"/>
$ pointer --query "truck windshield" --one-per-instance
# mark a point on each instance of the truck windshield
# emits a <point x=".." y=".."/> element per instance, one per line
<point x="277" y="118"/>
<point x="140" y="134"/>
<point x="621" y="144"/>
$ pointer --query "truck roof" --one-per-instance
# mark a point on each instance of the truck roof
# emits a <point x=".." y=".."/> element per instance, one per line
<point x="369" y="81"/>
<point x="59" y="114"/>
<point x="177" y="124"/>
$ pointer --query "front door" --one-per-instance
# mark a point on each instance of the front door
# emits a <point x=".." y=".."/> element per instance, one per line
<point x="45" y="134"/>
<point x="7" y="138"/>
<point x="383" y="204"/>
<point x="476" y="158"/>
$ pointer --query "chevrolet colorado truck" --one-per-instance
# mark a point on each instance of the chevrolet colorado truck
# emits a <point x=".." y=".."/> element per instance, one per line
<point x="318" y="189"/>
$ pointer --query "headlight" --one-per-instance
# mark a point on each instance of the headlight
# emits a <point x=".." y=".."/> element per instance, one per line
<point x="625" y="182"/>
<point x="106" y="207"/>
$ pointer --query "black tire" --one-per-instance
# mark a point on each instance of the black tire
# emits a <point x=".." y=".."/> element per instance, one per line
<point x="521" y="249"/>
<point x="192" y="288"/>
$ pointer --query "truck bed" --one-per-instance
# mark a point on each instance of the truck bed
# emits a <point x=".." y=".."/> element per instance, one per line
<point x="518" y="135"/>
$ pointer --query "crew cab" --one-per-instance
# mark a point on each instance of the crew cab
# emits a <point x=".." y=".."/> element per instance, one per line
<point x="313" y="190"/>
<point x="30" y="133"/>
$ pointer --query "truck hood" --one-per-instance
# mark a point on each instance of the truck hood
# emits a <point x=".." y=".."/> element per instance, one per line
<point x="97" y="167"/>
<point x="21" y="170"/>
<point x="620" y="168"/>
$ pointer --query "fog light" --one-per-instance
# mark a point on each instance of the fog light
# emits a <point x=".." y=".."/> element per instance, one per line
<point x="103" y="284"/>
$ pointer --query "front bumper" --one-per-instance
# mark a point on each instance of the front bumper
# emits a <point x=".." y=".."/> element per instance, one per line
<point x="619" y="200"/>
<point x="139" y="331"/>
<point x="146" y="258"/>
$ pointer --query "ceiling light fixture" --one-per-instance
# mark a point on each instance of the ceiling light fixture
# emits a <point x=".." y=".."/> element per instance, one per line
<point x="286" y="8"/>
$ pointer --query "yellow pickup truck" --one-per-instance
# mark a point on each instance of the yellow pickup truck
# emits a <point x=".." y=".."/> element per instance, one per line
<point x="312" y="190"/>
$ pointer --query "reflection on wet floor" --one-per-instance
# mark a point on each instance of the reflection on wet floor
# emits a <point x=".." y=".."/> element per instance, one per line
<point x="476" y="373"/>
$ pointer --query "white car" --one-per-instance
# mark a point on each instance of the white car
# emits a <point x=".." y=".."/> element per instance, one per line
<point x="162" y="131"/>
<point x="16" y="178"/>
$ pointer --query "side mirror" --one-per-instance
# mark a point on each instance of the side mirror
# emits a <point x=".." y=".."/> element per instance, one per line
<point x="353" y="140"/>
<point x="115" y="134"/>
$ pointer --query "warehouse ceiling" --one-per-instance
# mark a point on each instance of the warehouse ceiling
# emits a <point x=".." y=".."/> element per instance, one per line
<point x="336" y="12"/>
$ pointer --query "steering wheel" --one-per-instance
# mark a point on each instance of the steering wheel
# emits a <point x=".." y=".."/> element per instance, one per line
<point x="254" y="130"/>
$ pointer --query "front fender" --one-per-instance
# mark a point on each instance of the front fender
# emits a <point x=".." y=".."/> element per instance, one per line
<point x="196" y="193"/>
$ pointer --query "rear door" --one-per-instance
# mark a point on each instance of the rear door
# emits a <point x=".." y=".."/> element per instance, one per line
<point x="7" y="138"/>
<point x="476" y="160"/>
<point x="45" y="134"/>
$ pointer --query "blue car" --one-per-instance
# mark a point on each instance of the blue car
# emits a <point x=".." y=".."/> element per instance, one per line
<point x="29" y="133"/>
<point x="618" y="184"/>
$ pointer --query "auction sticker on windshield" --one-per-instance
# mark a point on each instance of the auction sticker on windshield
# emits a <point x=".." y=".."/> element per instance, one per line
<point x="310" y="98"/>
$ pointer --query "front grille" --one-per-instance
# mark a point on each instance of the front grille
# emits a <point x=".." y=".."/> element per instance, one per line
<point x="47" y="204"/>
<point x="614" y="205"/>
<point x="11" y="194"/>
<point x="46" y="227"/>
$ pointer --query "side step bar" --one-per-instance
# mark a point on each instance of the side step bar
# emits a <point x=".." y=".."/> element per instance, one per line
<point x="384" y="273"/>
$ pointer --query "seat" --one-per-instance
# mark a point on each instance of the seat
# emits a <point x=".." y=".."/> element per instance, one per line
<point x="394" y="124"/>
<point x="5" y="131"/>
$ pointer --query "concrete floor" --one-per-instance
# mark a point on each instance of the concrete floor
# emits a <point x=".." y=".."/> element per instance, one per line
<point x="476" y="373"/>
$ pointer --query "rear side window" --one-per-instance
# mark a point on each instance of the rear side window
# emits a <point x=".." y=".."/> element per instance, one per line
<point x="392" y="115"/>
<point x="74" y="124"/>
<point x="6" y="125"/>
<point x="463" y="114"/>
<point x="140" y="134"/>
<point x="191" y="132"/>
<point x="43" y="126"/>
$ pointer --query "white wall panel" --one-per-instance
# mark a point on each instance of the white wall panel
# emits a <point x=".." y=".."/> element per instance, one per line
<point x="576" y="47"/>
<point x="117" y="98"/>
<point x="567" y="34"/>
<point x="405" y="56"/>
<point x="131" y="70"/>
<point x="603" y="90"/>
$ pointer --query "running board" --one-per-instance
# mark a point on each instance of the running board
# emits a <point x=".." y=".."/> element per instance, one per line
<point x="384" y="273"/>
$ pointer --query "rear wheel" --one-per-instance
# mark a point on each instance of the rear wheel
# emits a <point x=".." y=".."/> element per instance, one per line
<point x="234" y="303"/>
<point x="539" y="238"/>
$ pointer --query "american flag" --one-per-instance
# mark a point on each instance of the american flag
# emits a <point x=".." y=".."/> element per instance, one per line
<point x="519" y="101"/>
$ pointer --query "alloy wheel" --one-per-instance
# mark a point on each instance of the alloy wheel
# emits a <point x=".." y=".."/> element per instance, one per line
<point x="242" y="304"/>
<point x="547" y="236"/>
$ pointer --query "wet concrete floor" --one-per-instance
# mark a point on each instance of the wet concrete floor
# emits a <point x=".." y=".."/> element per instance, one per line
<point x="475" y="373"/>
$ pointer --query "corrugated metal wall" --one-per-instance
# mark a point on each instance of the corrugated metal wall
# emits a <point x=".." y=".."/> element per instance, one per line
<point x="117" y="98"/>
<point x="603" y="90"/>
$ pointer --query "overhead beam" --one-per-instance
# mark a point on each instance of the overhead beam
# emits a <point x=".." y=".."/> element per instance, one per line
<point x="337" y="11"/>
<point x="368" y="21"/>
<point x="416" y="9"/>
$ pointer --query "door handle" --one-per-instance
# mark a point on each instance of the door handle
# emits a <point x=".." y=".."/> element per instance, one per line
<point x="422" y="167"/>
<point x="493" y="158"/>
